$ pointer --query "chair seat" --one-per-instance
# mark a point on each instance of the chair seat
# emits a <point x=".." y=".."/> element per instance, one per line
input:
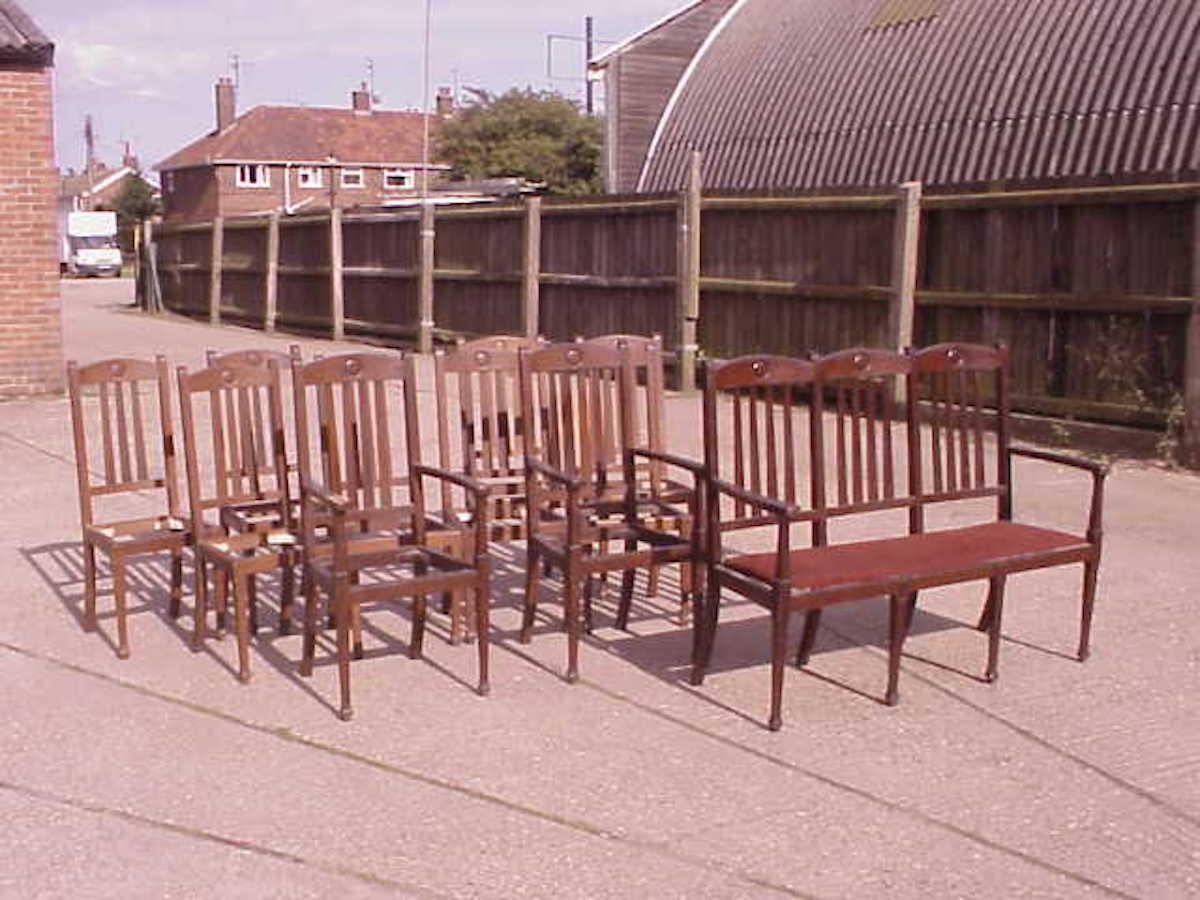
<point x="868" y="568"/>
<point x="131" y="537"/>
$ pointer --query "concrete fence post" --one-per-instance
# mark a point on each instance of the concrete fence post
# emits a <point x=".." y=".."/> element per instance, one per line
<point x="687" y="287"/>
<point x="271" y="293"/>
<point x="215" y="264"/>
<point x="531" y="267"/>
<point x="425" y="321"/>
<point x="1191" y="378"/>
<point x="337" y="284"/>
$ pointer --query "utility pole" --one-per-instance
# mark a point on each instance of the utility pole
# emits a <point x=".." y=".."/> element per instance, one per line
<point x="589" y="47"/>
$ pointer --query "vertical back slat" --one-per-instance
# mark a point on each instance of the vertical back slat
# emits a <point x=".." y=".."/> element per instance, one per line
<point x="871" y="392"/>
<point x="964" y="432"/>
<point x="739" y="452"/>
<point x="383" y="443"/>
<point x="327" y="417"/>
<point x="840" y="447"/>
<point x="487" y="422"/>
<point x="789" y="444"/>
<point x="367" y="433"/>
<point x="565" y="419"/>
<point x="122" y="432"/>
<point x="889" y="416"/>
<point x="755" y="459"/>
<point x="232" y="443"/>
<point x="351" y="441"/>
<point x="139" y="432"/>
<point x="772" y="462"/>
<point x="856" y="441"/>
<point x="106" y="438"/>
<point x="935" y="433"/>
<point x="977" y="416"/>
<point x="216" y="411"/>
<point x="251" y="458"/>
<point x="504" y="423"/>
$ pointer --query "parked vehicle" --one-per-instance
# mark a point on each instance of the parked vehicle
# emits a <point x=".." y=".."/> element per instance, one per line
<point x="89" y="244"/>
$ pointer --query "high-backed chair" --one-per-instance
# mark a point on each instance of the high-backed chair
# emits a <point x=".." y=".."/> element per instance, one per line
<point x="123" y="451"/>
<point x="582" y="485"/>
<point x="238" y="492"/>
<point x="366" y="531"/>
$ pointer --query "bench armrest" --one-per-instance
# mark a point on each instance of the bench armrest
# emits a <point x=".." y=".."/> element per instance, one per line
<point x="776" y="507"/>
<point x="571" y="483"/>
<point x="1098" y="469"/>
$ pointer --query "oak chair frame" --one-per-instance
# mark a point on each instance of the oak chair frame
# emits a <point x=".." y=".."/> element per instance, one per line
<point x="248" y="490"/>
<point x="351" y="524"/>
<point x="944" y="382"/>
<point x="578" y="408"/>
<point x="127" y="470"/>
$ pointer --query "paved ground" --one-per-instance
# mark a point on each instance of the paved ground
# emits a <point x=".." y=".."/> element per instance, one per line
<point x="162" y="776"/>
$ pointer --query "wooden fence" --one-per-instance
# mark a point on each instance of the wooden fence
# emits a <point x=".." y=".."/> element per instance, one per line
<point x="1094" y="288"/>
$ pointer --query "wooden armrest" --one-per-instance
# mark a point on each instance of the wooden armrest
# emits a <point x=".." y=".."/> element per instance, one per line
<point x="778" y="507"/>
<point x="466" y="482"/>
<point x="339" y="503"/>
<point x="572" y="484"/>
<point x="696" y="468"/>
<point x="1098" y="469"/>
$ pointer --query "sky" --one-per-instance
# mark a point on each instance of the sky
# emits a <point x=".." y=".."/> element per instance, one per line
<point x="144" y="69"/>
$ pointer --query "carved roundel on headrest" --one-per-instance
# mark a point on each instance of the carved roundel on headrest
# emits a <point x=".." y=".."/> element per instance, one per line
<point x="353" y="367"/>
<point x="574" y="356"/>
<point x="254" y="358"/>
<point x="482" y="357"/>
<point x="759" y="368"/>
<point x="954" y="355"/>
<point x="227" y="376"/>
<point x="117" y="368"/>
<point x="861" y="360"/>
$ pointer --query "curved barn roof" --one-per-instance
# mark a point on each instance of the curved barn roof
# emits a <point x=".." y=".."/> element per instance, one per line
<point x="828" y="93"/>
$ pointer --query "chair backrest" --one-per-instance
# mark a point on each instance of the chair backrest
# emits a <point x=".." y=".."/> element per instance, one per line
<point x="962" y="395"/>
<point x="345" y="409"/>
<point x="576" y="403"/>
<point x="121" y="446"/>
<point x="757" y="407"/>
<point x="233" y="437"/>
<point x="255" y="358"/>
<point x="648" y="398"/>
<point x="480" y="430"/>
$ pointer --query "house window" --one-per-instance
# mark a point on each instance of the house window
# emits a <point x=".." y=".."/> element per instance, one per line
<point x="253" y="176"/>
<point x="398" y="179"/>
<point x="352" y="178"/>
<point x="168" y="182"/>
<point x="308" y="177"/>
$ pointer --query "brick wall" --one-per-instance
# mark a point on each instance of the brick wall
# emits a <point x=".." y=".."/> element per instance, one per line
<point x="30" y="326"/>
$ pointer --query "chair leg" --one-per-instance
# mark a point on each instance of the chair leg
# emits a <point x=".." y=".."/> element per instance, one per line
<point x="571" y="597"/>
<point x="812" y="623"/>
<point x="626" y="602"/>
<point x="996" y="602"/>
<point x="221" y="600"/>
<point x="653" y="580"/>
<point x="118" y="576"/>
<point x="687" y="587"/>
<point x="310" y="625"/>
<point x="252" y="602"/>
<point x="1090" y="571"/>
<point x="779" y="635"/>
<point x="457" y="610"/>
<point x="531" y="585"/>
<point x="89" y="587"/>
<point x="985" y="617"/>
<point x="356" y="624"/>
<point x="243" y="596"/>
<point x="176" y="583"/>
<point x="341" y="603"/>
<point x="704" y="631"/>
<point x="589" y="588"/>
<point x="482" y="624"/>
<point x="287" y="593"/>
<point x="200" y="609"/>
<point x="898" y="629"/>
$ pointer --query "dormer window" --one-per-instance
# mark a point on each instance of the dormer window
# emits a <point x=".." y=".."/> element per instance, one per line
<point x="308" y="177"/>
<point x="253" y="176"/>
<point x="352" y="178"/>
<point x="399" y="179"/>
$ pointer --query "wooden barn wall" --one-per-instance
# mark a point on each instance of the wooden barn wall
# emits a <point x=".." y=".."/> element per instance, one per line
<point x="1093" y="298"/>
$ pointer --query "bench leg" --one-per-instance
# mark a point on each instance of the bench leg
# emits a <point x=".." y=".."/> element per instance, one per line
<point x="118" y="579"/>
<point x="200" y="607"/>
<point x="985" y="617"/>
<point x="779" y="635"/>
<point x="344" y="618"/>
<point x="704" y="630"/>
<point x="310" y="623"/>
<point x="243" y="600"/>
<point x="627" y="580"/>
<point x="531" y="585"/>
<point x="996" y="605"/>
<point x="89" y="587"/>
<point x="898" y="628"/>
<point x="573" y="616"/>
<point x="812" y="622"/>
<point x="176" y="582"/>
<point x="1090" y="571"/>
<point x="482" y="620"/>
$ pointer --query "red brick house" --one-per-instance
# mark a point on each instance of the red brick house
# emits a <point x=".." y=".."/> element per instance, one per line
<point x="293" y="159"/>
<point x="30" y="326"/>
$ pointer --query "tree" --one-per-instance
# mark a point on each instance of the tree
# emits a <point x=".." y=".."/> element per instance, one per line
<point x="537" y="135"/>
<point x="134" y="205"/>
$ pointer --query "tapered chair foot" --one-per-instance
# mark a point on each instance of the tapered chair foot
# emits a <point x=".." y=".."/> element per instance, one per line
<point x="1083" y="654"/>
<point x="244" y="677"/>
<point x="484" y="689"/>
<point x="892" y="698"/>
<point x="346" y="713"/>
<point x="122" y="653"/>
<point x="775" y="723"/>
<point x="572" y="677"/>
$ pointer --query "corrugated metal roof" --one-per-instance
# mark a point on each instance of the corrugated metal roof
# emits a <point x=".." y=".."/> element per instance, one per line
<point x="813" y="93"/>
<point x="21" y="41"/>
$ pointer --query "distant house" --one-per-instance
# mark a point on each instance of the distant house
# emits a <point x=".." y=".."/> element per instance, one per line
<point x="295" y="158"/>
<point x="869" y="93"/>
<point x="98" y="186"/>
<point x="30" y="329"/>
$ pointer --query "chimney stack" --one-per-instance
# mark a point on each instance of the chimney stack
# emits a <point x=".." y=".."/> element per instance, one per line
<point x="360" y="100"/>
<point x="226" y="103"/>
<point x="445" y="102"/>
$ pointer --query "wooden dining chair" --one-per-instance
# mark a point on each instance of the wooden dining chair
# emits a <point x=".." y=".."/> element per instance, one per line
<point x="366" y="532"/>
<point x="238" y="492"/>
<point x="648" y="404"/>
<point x="123" y="450"/>
<point x="577" y="405"/>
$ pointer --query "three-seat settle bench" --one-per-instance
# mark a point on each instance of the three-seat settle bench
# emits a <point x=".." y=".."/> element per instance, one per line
<point x="799" y="442"/>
